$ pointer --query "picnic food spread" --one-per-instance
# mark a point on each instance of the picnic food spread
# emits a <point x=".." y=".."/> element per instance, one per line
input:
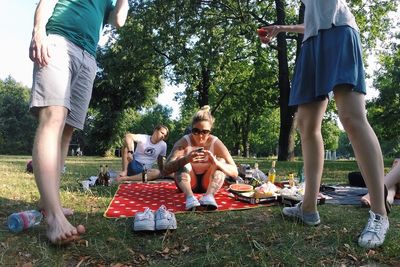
<point x="285" y="192"/>
<point x="241" y="187"/>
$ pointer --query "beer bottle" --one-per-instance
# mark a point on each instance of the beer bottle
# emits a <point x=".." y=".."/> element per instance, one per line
<point x="144" y="175"/>
<point x="106" y="176"/>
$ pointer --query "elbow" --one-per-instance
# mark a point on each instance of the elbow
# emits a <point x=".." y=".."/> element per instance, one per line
<point x="118" y="23"/>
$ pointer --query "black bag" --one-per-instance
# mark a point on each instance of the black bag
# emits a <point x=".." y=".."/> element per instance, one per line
<point x="356" y="179"/>
<point x="29" y="167"/>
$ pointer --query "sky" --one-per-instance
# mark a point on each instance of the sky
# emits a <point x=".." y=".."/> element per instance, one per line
<point x="16" y="23"/>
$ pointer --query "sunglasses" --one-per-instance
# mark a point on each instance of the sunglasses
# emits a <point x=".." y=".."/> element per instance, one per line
<point x="197" y="131"/>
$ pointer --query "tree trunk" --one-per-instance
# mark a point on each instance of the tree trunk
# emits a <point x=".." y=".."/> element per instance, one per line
<point x="203" y="87"/>
<point x="245" y="136"/>
<point x="285" y="153"/>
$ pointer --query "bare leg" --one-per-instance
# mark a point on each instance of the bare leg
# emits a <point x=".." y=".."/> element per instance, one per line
<point x="391" y="180"/>
<point x="183" y="178"/>
<point x="46" y="160"/>
<point x="351" y="110"/>
<point x="65" y="140"/>
<point x="152" y="174"/>
<point x="216" y="181"/>
<point x="125" y="162"/>
<point x="309" y="122"/>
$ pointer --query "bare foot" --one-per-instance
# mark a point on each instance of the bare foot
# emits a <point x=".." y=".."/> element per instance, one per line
<point x="61" y="232"/>
<point x="123" y="173"/>
<point x="66" y="211"/>
<point x="391" y="194"/>
<point x="120" y="178"/>
<point x="365" y="201"/>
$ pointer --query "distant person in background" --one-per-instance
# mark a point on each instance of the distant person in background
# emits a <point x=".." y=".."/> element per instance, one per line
<point x="331" y="61"/>
<point x="149" y="149"/>
<point x="200" y="162"/>
<point x="79" y="152"/>
<point x="63" y="49"/>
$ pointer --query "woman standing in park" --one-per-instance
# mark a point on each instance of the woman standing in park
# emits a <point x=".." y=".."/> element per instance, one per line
<point x="200" y="162"/>
<point x="331" y="61"/>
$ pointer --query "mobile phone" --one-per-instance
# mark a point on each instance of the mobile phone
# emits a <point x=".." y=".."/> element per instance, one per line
<point x="200" y="149"/>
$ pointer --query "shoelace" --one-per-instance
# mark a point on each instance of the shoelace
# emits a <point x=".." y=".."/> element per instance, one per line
<point x="145" y="214"/>
<point x="374" y="226"/>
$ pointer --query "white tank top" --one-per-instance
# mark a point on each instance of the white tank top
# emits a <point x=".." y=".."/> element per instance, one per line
<point x="322" y="14"/>
<point x="199" y="167"/>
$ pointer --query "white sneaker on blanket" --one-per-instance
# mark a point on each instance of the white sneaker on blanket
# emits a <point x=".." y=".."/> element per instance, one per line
<point x="191" y="203"/>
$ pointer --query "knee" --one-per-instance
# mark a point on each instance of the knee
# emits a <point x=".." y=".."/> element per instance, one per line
<point x="308" y="127"/>
<point x="182" y="177"/>
<point x="219" y="176"/>
<point x="351" y="123"/>
<point x="52" y="115"/>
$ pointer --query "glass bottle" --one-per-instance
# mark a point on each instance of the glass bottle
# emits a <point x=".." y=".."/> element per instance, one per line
<point x="144" y="175"/>
<point x="291" y="180"/>
<point x="272" y="172"/>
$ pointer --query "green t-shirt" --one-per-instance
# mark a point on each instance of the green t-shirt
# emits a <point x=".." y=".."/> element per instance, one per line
<point x="80" y="21"/>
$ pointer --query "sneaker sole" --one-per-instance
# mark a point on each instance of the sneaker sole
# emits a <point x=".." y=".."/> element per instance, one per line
<point x="300" y="220"/>
<point x="207" y="207"/>
<point x="143" y="227"/>
<point x="192" y="208"/>
<point x="369" y="245"/>
<point x="165" y="225"/>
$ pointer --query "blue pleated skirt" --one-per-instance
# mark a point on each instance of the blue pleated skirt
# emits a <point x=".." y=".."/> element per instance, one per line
<point x="331" y="58"/>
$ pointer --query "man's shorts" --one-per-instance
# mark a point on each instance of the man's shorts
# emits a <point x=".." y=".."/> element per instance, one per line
<point x="66" y="81"/>
<point x="135" y="167"/>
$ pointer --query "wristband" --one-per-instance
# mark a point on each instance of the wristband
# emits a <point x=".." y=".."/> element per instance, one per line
<point x="130" y="151"/>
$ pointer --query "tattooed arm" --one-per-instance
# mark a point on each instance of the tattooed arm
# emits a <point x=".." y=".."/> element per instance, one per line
<point x="177" y="158"/>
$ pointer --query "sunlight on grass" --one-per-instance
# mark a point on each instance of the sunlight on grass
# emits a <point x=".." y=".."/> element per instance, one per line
<point x="255" y="237"/>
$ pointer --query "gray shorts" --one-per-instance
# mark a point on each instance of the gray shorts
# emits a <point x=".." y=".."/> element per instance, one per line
<point x="66" y="81"/>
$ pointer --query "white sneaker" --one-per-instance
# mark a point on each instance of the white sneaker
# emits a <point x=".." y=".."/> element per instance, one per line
<point x="144" y="221"/>
<point x="165" y="219"/>
<point x="374" y="233"/>
<point x="296" y="212"/>
<point x="208" y="201"/>
<point x="191" y="203"/>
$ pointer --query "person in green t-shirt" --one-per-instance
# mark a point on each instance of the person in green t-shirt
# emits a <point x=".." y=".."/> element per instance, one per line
<point x="63" y="49"/>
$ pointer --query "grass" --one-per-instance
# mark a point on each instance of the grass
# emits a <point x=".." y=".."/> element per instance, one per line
<point x="256" y="237"/>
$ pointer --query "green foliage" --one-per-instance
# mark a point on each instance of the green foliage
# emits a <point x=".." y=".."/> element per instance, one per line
<point x="17" y="126"/>
<point x="383" y="112"/>
<point x="373" y="20"/>
<point x="344" y="149"/>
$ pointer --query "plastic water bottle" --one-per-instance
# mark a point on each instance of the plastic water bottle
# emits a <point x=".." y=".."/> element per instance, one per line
<point x="23" y="220"/>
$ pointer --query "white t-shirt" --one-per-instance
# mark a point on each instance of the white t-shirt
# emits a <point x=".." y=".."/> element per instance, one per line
<point x="146" y="152"/>
<point x="321" y="14"/>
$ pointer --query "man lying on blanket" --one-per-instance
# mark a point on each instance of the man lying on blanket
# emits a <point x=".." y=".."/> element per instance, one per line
<point x="149" y="149"/>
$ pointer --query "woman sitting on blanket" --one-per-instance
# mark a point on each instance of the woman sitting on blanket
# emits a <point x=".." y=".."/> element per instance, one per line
<point x="200" y="162"/>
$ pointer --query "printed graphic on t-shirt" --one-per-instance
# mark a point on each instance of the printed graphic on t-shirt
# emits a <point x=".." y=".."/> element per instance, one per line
<point x="149" y="151"/>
